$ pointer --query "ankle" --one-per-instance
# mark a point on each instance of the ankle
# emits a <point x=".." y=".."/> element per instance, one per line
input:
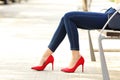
<point x="75" y="54"/>
<point x="47" y="53"/>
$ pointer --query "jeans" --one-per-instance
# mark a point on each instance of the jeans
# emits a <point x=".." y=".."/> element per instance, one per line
<point x="73" y="20"/>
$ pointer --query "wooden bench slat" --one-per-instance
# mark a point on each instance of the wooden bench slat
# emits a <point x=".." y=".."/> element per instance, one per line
<point x="113" y="34"/>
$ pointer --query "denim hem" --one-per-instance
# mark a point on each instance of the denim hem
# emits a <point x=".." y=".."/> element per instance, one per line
<point x="75" y="49"/>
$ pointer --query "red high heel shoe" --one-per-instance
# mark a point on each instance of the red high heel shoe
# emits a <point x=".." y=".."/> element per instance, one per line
<point x="50" y="59"/>
<point x="71" y="70"/>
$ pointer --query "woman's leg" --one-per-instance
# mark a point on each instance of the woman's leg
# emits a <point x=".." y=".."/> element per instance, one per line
<point x="57" y="38"/>
<point x="83" y="20"/>
<point x="69" y="24"/>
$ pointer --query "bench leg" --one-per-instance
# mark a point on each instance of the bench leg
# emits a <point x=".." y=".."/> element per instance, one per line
<point x="105" y="73"/>
<point x="91" y="47"/>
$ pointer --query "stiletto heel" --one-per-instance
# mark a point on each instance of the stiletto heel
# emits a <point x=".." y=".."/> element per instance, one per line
<point x="71" y="70"/>
<point x="50" y="59"/>
<point x="53" y="66"/>
<point x="82" y="67"/>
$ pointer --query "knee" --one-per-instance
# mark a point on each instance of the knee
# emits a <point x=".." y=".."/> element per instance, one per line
<point x="68" y="15"/>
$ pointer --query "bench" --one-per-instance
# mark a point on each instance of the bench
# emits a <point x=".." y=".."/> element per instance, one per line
<point x="110" y="34"/>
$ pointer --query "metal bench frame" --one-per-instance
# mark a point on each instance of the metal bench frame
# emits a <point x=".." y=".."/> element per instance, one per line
<point x="104" y="68"/>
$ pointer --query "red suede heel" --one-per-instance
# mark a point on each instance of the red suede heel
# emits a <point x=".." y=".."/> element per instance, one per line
<point x="71" y="70"/>
<point x="50" y="59"/>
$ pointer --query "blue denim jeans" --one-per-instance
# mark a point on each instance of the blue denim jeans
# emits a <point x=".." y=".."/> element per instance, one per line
<point x="69" y="24"/>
